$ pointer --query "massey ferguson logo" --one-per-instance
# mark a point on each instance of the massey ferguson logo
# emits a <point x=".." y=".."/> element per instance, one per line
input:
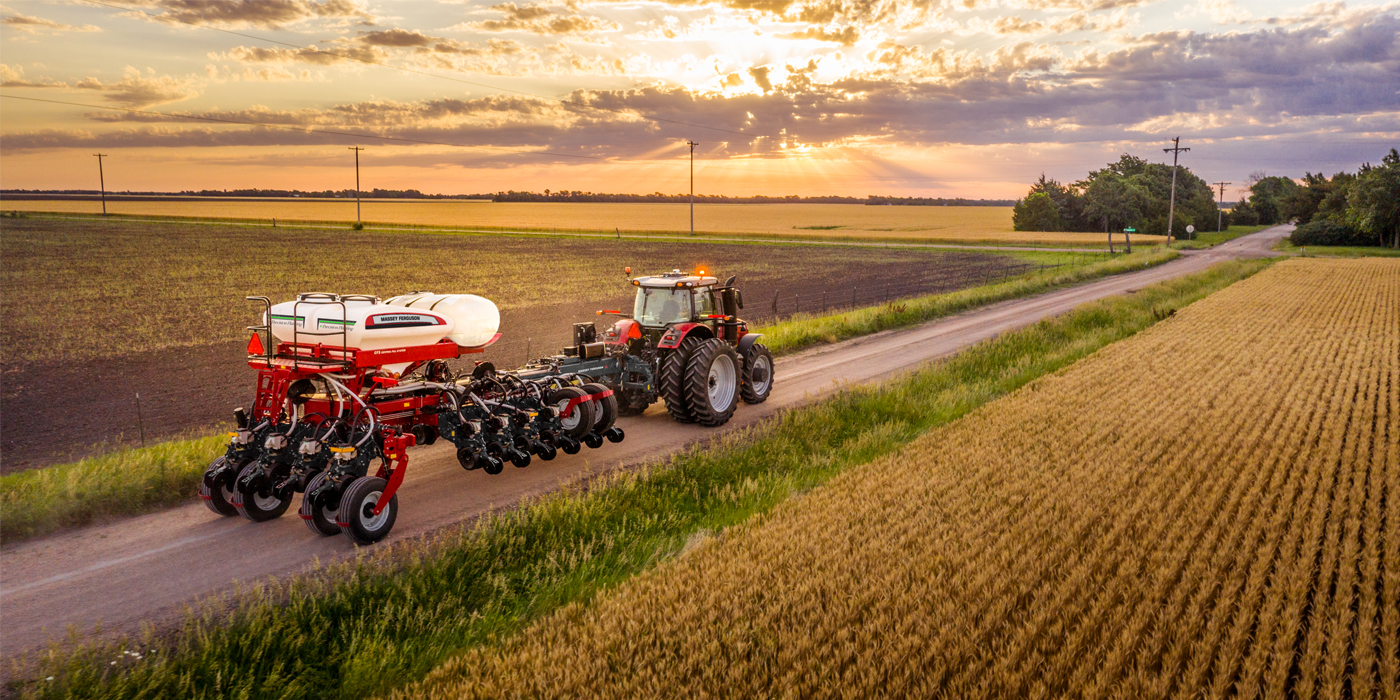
<point x="400" y="320"/>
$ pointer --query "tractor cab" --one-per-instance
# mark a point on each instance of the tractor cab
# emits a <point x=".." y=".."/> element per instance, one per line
<point x="674" y="297"/>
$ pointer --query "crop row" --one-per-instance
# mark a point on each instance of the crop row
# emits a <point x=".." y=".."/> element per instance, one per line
<point x="1207" y="508"/>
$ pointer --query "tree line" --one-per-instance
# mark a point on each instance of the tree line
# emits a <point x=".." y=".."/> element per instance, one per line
<point x="1130" y="193"/>
<point x="1360" y="209"/>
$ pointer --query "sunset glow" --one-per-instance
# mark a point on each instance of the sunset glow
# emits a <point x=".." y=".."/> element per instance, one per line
<point x="971" y="98"/>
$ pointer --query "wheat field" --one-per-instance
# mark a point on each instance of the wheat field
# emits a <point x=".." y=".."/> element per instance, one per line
<point x="1207" y="509"/>
<point x="978" y="224"/>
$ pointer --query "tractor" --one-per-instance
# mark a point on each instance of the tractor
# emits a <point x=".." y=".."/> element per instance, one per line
<point x="683" y="343"/>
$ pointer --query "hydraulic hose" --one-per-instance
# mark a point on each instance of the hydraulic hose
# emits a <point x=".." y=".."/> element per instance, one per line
<point x="373" y="419"/>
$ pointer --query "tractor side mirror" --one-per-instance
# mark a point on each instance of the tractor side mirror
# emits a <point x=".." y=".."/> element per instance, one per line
<point x="738" y="296"/>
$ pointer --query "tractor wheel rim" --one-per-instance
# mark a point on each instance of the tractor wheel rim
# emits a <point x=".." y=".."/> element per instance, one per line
<point x="722" y="376"/>
<point x="571" y="421"/>
<point x="268" y="502"/>
<point x="761" y="374"/>
<point x="227" y="492"/>
<point x="368" y="519"/>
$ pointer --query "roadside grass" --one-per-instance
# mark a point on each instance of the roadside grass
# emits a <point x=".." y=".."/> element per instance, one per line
<point x="140" y="480"/>
<point x="805" y="331"/>
<point x="1210" y="239"/>
<point x="1338" y="251"/>
<point x="387" y="618"/>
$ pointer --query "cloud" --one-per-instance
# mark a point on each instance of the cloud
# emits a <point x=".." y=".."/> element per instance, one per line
<point x="845" y="37"/>
<point x="538" y="19"/>
<point x="271" y="14"/>
<point x="25" y="23"/>
<point x="760" y="77"/>
<point x="14" y="78"/>
<point x="395" y="37"/>
<point x="310" y="54"/>
<point x="134" y="90"/>
<point x="1077" y="22"/>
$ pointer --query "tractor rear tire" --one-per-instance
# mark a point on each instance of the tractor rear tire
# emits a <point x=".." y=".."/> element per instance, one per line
<point x="606" y="409"/>
<point x="220" y="498"/>
<point x="712" y="382"/>
<point x="253" y="505"/>
<point x="318" y="520"/>
<point x="356" y="518"/>
<point x="757" y="381"/>
<point x="580" y="422"/>
<point x="672" y="381"/>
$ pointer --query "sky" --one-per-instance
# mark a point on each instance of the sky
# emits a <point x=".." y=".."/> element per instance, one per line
<point x="937" y="98"/>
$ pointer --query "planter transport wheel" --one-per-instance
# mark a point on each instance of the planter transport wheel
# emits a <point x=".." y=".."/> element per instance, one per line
<point x="356" y="514"/>
<point x="672" y="381"/>
<point x="605" y="409"/>
<point x="758" y="375"/>
<point x="466" y="457"/>
<point x="319" y="520"/>
<point x="580" y="421"/>
<point x="219" y="498"/>
<point x="712" y="382"/>
<point x="253" y="496"/>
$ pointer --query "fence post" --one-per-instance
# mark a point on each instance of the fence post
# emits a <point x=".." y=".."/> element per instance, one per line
<point x="796" y="305"/>
<point x="823" y="301"/>
<point x="853" y="296"/>
<point x="140" y="422"/>
<point x="775" y="306"/>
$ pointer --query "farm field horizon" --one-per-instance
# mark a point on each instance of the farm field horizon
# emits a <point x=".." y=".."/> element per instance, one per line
<point x="990" y="225"/>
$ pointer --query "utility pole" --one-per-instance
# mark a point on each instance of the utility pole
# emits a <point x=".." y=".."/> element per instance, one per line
<point x="357" y="150"/>
<point x="692" y="145"/>
<point x="102" y="181"/>
<point x="1175" y="150"/>
<point x="1221" y="203"/>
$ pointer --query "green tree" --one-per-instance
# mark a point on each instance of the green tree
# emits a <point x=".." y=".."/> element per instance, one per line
<point x="1267" y="194"/>
<point x="1037" y="212"/>
<point x="1113" y="200"/>
<point x="1373" y="204"/>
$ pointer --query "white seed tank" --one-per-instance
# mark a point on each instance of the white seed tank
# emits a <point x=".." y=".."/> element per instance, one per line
<point x="474" y="319"/>
<point x="363" y="323"/>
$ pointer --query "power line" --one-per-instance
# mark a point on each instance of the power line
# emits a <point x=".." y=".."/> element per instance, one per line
<point x="351" y="57"/>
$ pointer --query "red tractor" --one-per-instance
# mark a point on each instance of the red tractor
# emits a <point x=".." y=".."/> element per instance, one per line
<point x="683" y="343"/>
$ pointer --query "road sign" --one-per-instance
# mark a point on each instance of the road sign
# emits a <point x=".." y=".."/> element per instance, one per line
<point x="1130" y="230"/>
<point x="1190" y="228"/>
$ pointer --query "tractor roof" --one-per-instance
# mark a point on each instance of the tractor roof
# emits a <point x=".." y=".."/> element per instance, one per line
<point x="675" y="278"/>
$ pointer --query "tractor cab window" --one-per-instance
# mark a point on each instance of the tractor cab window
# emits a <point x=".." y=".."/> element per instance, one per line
<point x="658" y="307"/>
<point x="704" y="303"/>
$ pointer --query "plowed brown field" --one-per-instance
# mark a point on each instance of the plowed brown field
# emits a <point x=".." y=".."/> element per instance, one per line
<point x="1206" y="509"/>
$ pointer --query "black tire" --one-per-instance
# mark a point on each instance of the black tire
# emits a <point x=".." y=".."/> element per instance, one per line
<point x="466" y="457"/>
<point x="712" y="382"/>
<point x="258" y="504"/>
<point x="220" y="498"/>
<point x="356" y="507"/>
<point x="318" y="520"/>
<point x="755" y="388"/>
<point x="604" y="410"/>
<point x="672" y="381"/>
<point x="581" y="421"/>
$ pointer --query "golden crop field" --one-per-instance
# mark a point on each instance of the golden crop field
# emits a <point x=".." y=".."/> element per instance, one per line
<point x="985" y="224"/>
<point x="1208" y="509"/>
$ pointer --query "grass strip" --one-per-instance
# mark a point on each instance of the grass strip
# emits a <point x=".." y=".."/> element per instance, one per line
<point x="1210" y="239"/>
<point x="142" y="480"/>
<point x="803" y="331"/>
<point x="1336" y="251"/>
<point x="388" y="618"/>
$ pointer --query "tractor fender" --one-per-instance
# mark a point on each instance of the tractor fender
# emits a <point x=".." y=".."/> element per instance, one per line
<point x="746" y="343"/>
<point x="622" y="332"/>
<point x="679" y="332"/>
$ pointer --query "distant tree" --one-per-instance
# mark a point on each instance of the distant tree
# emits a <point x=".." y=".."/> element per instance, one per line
<point x="1244" y="214"/>
<point x="1037" y="212"/>
<point x="1373" y="204"/>
<point x="1115" y="201"/>
<point x="1267" y="195"/>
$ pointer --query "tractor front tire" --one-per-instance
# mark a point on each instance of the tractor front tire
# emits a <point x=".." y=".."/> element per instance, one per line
<point x="758" y="375"/>
<point x="254" y="504"/>
<point x="319" y="520"/>
<point x="672" y="380"/>
<point x="220" y="498"/>
<point x="356" y="514"/>
<point x="712" y="382"/>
